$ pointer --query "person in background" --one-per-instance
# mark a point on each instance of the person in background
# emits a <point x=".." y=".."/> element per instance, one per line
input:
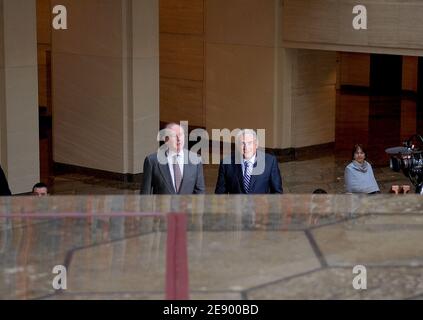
<point x="40" y="189"/>
<point x="4" y="185"/>
<point x="359" y="177"/>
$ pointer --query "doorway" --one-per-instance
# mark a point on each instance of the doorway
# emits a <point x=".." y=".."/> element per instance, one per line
<point x="377" y="102"/>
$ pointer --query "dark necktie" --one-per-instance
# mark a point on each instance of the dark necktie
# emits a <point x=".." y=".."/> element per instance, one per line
<point x="177" y="173"/>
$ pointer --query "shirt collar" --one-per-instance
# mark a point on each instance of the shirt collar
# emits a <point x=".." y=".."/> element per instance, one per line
<point x="171" y="154"/>
<point x="251" y="161"/>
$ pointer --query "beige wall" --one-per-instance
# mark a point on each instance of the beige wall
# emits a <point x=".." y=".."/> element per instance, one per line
<point x="105" y="84"/>
<point x="182" y="61"/>
<point x="394" y="26"/>
<point x="142" y="88"/>
<point x="18" y="94"/>
<point x="252" y="81"/>
<point x="222" y="65"/>
<point x="88" y="122"/>
<point x="240" y="64"/>
<point x="314" y="98"/>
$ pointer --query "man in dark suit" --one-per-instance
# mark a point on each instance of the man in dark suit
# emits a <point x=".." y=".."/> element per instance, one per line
<point x="173" y="169"/>
<point x="251" y="171"/>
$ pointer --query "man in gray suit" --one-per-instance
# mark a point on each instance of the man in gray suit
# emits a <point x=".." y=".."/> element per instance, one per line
<point x="173" y="169"/>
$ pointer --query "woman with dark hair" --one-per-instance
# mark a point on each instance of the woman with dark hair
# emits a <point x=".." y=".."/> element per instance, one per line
<point x="359" y="177"/>
<point x="4" y="186"/>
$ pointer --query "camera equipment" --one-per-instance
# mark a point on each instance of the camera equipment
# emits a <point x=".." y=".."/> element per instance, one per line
<point x="409" y="160"/>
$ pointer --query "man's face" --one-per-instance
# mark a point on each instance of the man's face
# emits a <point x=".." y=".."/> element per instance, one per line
<point x="40" y="192"/>
<point x="176" y="138"/>
<point x="248" y="145"/>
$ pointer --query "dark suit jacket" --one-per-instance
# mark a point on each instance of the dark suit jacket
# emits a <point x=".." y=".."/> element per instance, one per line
<point x="158" y="180"/>
<point x="4" y="186"/>
<point x="231" y="180"/>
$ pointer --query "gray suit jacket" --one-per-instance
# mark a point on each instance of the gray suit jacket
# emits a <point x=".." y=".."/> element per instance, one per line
<point x="157" y="178"/>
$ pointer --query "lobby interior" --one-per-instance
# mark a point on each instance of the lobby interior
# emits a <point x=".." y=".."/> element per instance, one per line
<point x="82" y="108"/>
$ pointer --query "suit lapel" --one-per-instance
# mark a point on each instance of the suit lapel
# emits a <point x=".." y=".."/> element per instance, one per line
<point x="165" y="172"/>
<point x="253" y="178"/>
<point x="240" y="177"/>
<point x="260" y="156"/>
<point x="188" y="168"/>
<point x="187" y="171"/>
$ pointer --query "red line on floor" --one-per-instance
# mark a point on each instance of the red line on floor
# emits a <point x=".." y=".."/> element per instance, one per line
<point x="79" y="215"/>
<point x="177" y="284"/>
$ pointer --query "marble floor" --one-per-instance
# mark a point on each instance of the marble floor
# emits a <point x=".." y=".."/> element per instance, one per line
<point x="212" y="247"/>
<point x="303" y="176"/>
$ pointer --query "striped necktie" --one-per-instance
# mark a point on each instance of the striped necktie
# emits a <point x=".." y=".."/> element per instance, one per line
<point x="177" y="173"/>
<point x="247" y="176"/>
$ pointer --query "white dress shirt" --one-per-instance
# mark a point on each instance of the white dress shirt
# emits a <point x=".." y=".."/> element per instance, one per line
<point x="180" y="161"/>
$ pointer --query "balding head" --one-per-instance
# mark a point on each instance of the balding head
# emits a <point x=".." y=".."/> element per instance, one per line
<point x="175" y="137"/>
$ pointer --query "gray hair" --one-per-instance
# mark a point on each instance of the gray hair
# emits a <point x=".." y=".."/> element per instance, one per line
<point x="243" y="132"/>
